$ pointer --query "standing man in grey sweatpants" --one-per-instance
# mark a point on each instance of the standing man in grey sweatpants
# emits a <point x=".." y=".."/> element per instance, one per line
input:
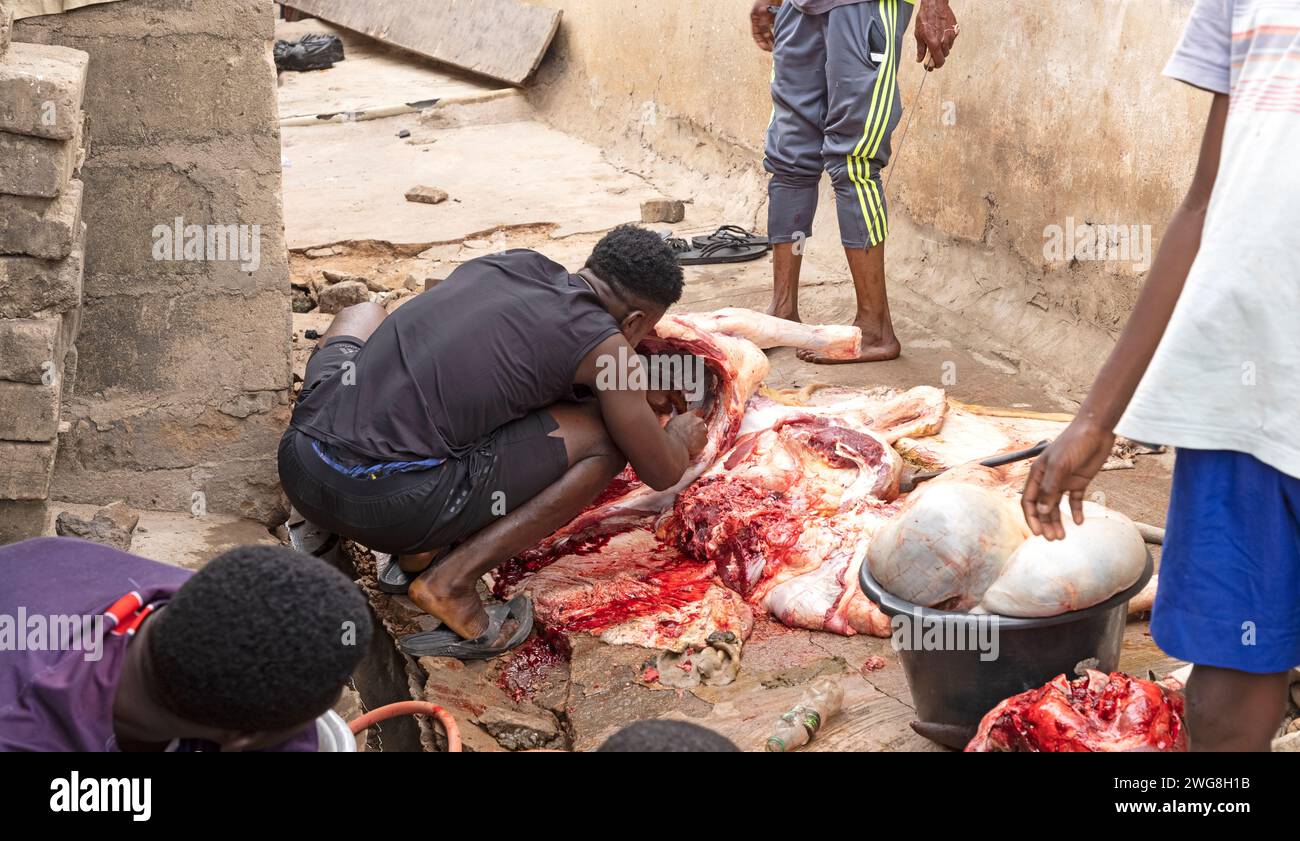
<point x="835" y="106"/>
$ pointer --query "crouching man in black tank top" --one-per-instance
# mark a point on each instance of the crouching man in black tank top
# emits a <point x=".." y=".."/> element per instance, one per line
<point x="468" y="425"/>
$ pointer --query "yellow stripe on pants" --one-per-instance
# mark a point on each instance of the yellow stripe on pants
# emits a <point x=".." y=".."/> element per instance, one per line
<point x="878" y="117"/>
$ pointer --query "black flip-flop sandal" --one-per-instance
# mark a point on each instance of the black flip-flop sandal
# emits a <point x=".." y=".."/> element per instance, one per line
<point x="733" y="234"/>
<point x="392" y="579"/>
<point x="714" y="252"/>
<point x="443" y="642"/>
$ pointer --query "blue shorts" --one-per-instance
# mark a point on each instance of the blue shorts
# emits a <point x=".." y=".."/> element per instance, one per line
<point x="1229" y="591"/>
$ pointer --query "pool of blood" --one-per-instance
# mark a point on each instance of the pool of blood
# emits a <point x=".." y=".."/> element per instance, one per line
<point x="507" y="576"/>
<point x="676" y="585"/>
<point x="531" y="664"/>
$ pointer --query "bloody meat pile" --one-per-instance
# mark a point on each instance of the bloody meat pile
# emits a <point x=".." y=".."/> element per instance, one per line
<point x="776" y="513"/>
<point x="1094" y="713"/>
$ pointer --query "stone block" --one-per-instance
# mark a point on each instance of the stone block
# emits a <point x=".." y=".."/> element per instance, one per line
<point x="37" y="166"/>
<point x="31" y="412"/>
<point x="28" y="467"/>
<point x="40" y="227"/>
<point x="22" y="519"/>
<point x="426" y="195"/>
<point x="124" y="246"/>
<point x="30" y="349"/>
<point x="663" y="210"/>
<point x="191" y="345"/>
<point x="336" y="298"/>
<point x="168" y="86"/>
<point x="30" y="285"/>
<point x="41" y="87"/>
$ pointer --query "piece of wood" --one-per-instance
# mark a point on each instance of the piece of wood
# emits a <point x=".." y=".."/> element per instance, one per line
<point x="999" y="412"/>
<point x="503" y="39"/>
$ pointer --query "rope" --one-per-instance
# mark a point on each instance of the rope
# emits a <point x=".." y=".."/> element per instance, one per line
<point x="903" y="138"/>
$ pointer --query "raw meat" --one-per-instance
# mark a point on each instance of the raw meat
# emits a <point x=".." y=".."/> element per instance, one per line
<point x="766" y="331"/>
<point x="788" y="513"/>
<point x="630" y="588"/>
<point x="897" y="416"/>
<point x="1097" y="712"/>
<point x="1092" y="563"/>
<point x="949" y="542"/>
<point x="961" y="543"/>
<point x="606" y="572"/>
<point x="737" y="367"/>
<point x="777" y="512"/>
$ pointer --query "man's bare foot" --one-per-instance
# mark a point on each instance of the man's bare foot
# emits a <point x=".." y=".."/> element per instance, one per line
<point x="789" y="313"/>
<point x="458" y="607"/>
<point x="870" y="353"/>
<point x="878" y="345"/>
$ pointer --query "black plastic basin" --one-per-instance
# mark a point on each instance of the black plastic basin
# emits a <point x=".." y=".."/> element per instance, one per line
<point x="952" y="687"/>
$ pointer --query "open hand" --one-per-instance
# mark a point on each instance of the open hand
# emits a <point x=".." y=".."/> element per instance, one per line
<point x="936" y="30"/>
<point x="1066" y="467"/>
<point x="761" y="21"/>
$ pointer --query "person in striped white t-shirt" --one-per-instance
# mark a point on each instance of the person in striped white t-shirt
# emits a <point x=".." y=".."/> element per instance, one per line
<point x="1209" y="363"/>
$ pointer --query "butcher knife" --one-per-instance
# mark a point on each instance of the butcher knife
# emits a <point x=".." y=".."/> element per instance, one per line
<point x="909" y="483"/>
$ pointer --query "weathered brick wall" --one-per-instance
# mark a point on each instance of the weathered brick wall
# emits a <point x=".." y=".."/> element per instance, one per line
<point x="183" y="367"/>
<point x="41" y="262"/>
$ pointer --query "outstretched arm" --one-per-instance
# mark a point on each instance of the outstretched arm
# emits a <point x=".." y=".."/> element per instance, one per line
<point x="659" y="454"/>
<point x="1070" y="464"/>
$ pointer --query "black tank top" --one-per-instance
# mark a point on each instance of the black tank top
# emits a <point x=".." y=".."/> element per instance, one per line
<point x="500" y="338"/>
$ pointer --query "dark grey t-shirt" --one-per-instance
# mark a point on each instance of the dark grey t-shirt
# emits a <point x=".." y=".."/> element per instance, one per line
<point x="500" y="338"/>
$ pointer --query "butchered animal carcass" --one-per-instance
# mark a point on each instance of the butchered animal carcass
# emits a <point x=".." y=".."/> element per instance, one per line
<point x="778" y="511"/>
<point x="787" y="514"/>
<point x="1097" y="712"/>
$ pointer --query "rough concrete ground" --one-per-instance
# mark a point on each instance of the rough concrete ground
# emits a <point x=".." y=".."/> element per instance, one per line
<point x="179" y="539"/>
<point x="522" y="185"/>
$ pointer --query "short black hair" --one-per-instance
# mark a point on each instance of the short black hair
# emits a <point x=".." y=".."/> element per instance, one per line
<point x="639" y="261"/>
<point x="258" y="640"/>
<point x="667" y="736"/>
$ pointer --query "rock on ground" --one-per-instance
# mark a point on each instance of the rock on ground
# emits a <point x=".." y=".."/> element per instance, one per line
<point x="111" y="525"/>
<point x="334" y="299"/>
<point x="663" y="210"/>
<point x="522" y="729"/>
<point x="426" y="195"/>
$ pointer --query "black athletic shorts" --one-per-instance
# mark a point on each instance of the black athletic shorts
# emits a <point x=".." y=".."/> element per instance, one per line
<point x="418" y="510"/>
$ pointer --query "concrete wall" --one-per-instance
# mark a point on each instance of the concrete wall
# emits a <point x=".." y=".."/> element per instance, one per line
<point x="183" y="374"/>
<point x="1046" y="112"/>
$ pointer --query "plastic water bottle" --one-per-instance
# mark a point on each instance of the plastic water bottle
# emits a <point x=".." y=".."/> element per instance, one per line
<point x="821" y="700"/>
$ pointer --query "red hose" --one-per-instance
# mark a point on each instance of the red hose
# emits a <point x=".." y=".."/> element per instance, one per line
<point x="411" y="708"/>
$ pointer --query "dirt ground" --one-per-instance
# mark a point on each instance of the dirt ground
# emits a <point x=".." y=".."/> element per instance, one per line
<point x="516" y="183"/>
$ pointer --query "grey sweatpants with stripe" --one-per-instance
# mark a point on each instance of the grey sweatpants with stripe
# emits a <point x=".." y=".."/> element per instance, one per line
<point x="835" y="104"/>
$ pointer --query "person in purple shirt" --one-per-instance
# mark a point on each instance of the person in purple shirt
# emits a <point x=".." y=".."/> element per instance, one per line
<point x="101" y="650"/>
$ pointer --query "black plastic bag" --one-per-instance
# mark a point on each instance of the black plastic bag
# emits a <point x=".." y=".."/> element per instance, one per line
<point x="310" y="52"/>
